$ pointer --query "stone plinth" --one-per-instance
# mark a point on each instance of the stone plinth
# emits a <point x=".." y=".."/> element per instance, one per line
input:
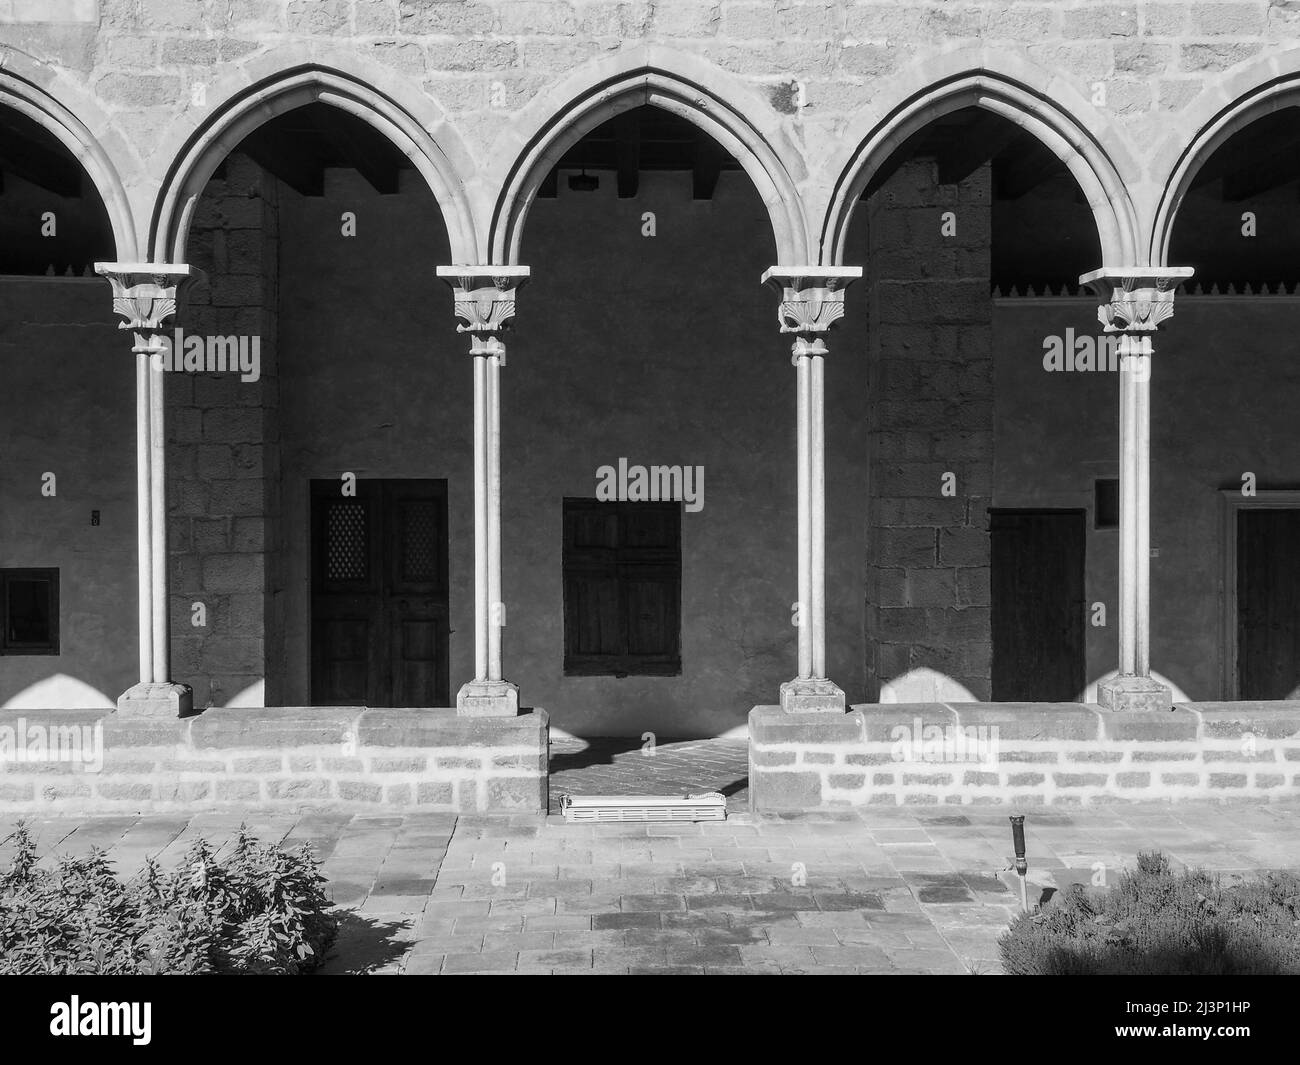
<point x="812" y="696"/>
<point x="488" y="698"/>
<point x="1133" y="695"/>
<point x="156" y="700"/>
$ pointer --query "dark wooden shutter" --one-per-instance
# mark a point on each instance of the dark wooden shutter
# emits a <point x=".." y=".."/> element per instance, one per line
<point x="622" y="588"/>
<point x="593" y="625"/>
<point x="29" y="611"/>
<point x="650" y="572"/>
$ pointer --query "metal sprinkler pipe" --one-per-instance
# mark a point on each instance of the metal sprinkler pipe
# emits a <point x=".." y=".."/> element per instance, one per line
<point x="1022" y="866"/>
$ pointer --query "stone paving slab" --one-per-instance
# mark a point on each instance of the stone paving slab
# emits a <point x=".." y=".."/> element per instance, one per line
<point x="889" y="891"/>
<point x="629" y="766"/>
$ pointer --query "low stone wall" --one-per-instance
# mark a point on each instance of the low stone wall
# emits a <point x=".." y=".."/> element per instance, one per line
<point x="293" y="757"/>
<point x="1022" y="754"/>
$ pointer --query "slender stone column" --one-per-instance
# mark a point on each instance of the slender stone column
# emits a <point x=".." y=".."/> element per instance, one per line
<point x="485" y="299"/>
<point x="812" y="300"/>
<point x="145" y="295"/>
<point x="1135" y="300"/>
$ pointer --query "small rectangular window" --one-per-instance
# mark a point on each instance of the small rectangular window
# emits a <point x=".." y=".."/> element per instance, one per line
<point x="29" y="600"/>
<point x="622" y="588"/>
<point x="1105" y="506"/>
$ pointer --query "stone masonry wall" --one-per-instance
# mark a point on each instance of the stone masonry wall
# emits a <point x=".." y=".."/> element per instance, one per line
<point x="223" y="448"/>
<point x="287" y="758"/>
<point x="1018" y="755"/>
<point x="930" y="403"/>
<point x="140" y="61"/>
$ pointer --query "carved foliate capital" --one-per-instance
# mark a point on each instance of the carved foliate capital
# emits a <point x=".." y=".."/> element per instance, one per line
<point x="1135" y="299"/>
<point x="484" y="295"/>
<point x="812" y="297"/>
<point x="145" y="294"/>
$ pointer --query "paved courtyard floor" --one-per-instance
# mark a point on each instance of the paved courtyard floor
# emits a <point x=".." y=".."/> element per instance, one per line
<point x="924" y="890"/>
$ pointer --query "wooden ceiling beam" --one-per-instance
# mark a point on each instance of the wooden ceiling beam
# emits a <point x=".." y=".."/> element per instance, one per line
<point x="706" y="168"/>
<point x="967" y="149"/>
<point x="272" y="151"/>
<point x="1265" y="166"/>
<point x="47" y="168"/>
<point x="1258" y="140"/>
<point x="360" y="147"/>
<point x="1018" y="175"/>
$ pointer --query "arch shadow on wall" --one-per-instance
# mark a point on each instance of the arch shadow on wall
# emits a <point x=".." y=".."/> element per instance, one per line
<point x="39" y="106"/>
<point x="681" y="96"/>
<point x="221" y="134"/>
<point x="1077" y="148"/>
<point x="1273" y="95"/>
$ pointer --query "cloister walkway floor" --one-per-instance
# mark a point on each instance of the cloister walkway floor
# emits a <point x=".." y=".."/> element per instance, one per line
<point x="630" y="766"/>
<point x="916" y="890"/>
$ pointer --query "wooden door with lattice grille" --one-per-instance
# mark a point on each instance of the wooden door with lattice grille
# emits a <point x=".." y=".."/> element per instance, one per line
<point x="379" y="602"/>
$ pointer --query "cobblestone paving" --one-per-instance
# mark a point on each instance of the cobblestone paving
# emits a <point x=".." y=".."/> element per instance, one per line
<point x="886" y="891"/>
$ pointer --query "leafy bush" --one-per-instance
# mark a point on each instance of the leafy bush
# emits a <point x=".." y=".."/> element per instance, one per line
<point x="260" y="910"/>
<point x="1156" y="922"/>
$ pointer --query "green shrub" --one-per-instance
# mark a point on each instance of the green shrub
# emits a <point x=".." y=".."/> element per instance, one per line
<point x="259" y="910"/>
<point x="1156" y="922"/>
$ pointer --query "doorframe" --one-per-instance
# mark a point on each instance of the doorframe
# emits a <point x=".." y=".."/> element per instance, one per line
<point x="1232" y="503"/>
<point x="324" y="487"/>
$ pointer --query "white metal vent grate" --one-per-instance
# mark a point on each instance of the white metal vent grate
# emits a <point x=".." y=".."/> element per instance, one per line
<point x="705" y="806"/>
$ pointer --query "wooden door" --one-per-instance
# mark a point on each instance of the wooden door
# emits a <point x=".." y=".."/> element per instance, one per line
<point x="1268" y="603"/>
<point x="1038" y="608"/>
<point x="415" y="522"/>
<point x="379" y="600"/>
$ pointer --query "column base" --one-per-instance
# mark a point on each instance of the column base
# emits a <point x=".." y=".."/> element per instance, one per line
<point x="161" y="699"/>
<point x="1131" y="694"/>
<point x="488" y="698"/>
<point x="812" y="696"/>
